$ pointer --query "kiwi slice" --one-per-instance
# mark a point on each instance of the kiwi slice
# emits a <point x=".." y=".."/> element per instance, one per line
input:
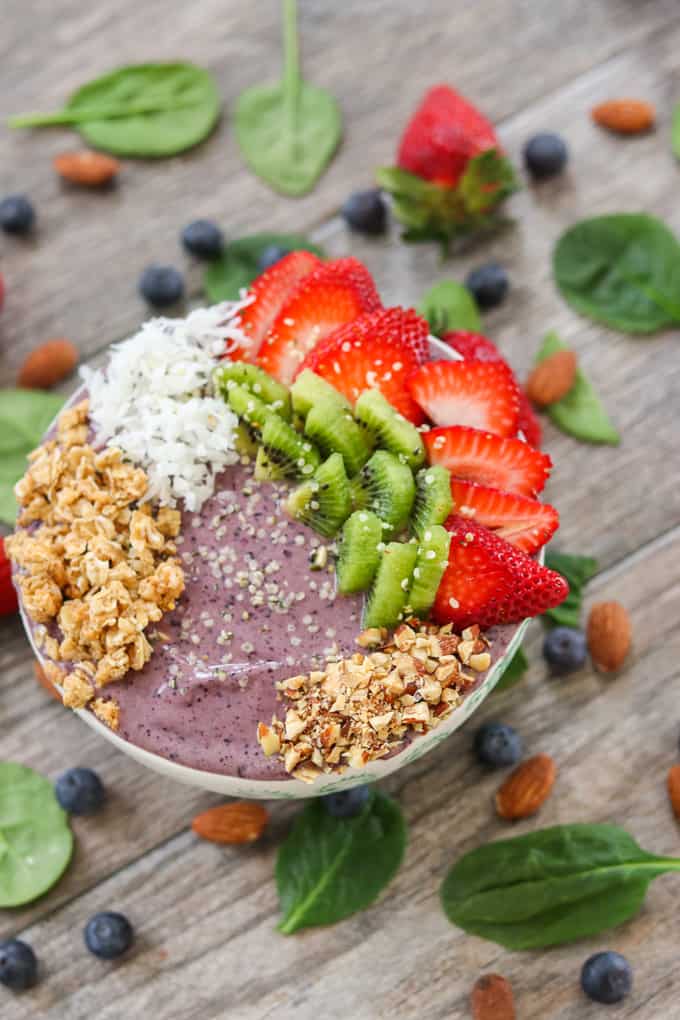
<point x="431" y="561"/>
<point x="334" y="430"/>
<point x="360" y="551"/>
<point x="265" y="469"/>
<point x="433" y="502"/>
<point x="322" y="503"/>
<point x="309" y="388"/>
<point x="250" y="409"/>
<point x="389" y="429"/>
<point x="256" y="381"/>
<point x="245" y="442"/>
<point x="291" y="454"/>
<point x="386" y="600"/>
<point x="385" y="485"/>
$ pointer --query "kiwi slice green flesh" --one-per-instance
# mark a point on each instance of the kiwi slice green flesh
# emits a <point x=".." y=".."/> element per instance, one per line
<point x="386" y="600"/>
<point x="256" y="381"/>
<point x="385" y="485"/>
<point x="249" y="408"/>
<point x="309" y="388"/>
<point x="287" y="450"/>
<point x="389" y="429"/>
<point x="322" y="503"/>
<point x="433" y="502"/>
<point x="245" y="441"/>
<point x="334" y="430"/>
<point x="265" y="469"/>
<point x="431" y="561"/>
<point x="360" y="551"/>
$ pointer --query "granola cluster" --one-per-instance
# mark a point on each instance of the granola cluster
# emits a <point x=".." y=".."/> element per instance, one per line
<point x="93" y="559"/>
<point x="361" y="708"/>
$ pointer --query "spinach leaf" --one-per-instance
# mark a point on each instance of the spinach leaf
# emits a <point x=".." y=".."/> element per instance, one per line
<point x="622" y="270"/>
<point x="289" y="131"/>
<point x="514" y="671"/>
<point x="238" y="266"/>
<point x="580" y="412"/>
<point x="578" y="570"/>
<point x="24" y="417"/>
<point x="551" y="886"/>
<point x="140" y="110"/>
<point x="449" y="305"/>
<point x="35" y="839"/>
<point x="328" y="868"/>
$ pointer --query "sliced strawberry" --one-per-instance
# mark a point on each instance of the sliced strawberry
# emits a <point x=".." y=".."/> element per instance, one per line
<point x="521" y="521"/>
<point x="8" y="595"/>
<point x="333" y="294"/>
<point x="377" y="351"/>
<point x="271" y="290"/>
<point x="508" y="464"/>
<point x="488" y="581"/>
<point x="475" y="393"/>
<point x="478" y="347"/>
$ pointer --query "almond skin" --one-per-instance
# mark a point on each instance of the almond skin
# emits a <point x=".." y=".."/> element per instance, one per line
<point x="48" y="364"/>
<point x="91" y="169"/>
<point x="674" y="790"/>
<point x="552" y="378"/>
<point x="492" y="998"/>
<point x="525" y="789"/>
<point x="44" y="682"/>
<point x="609" y="635"/>
<point x="624" y="116"/>
<point x="241" y="821"/>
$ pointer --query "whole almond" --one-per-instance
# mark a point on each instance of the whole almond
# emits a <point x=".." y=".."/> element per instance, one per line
<point x="41" y="677"/>
<point x="552" y="378"/>
<point x="48" y="364"/>
<point x="609" y="635"/>
<point x="241" y="821"/>
<point x="526" y="788"/>
<point x="625" y="116"/>
<point x="89" y="168"/>
<point x="674" y="790"/>
<point x="492" y="998"/>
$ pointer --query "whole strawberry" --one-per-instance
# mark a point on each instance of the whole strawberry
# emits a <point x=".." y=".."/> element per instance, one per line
<point x="451" y="174"/>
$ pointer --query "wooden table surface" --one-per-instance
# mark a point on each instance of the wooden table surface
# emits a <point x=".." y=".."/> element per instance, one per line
<point x="205" y="916"/>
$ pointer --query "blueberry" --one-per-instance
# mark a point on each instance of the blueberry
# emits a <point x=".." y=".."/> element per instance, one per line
<point x="18" y="965"/>
<point x="80" y="791"/>
<point x="17" y="215"/>
<point x="545" y="155"/>
<point x="606" y="977"/>
<point x="366" y="211"/>
<point x="108" y="935"/>
<point x="489" y="284"/>
<point x="565" y="649"/>
<point x="161" y="285"/>
<point x="270" y="255"/>
<point x="498" y="745"/>
<point x="204" y="239"/>
<point x="347" y="804"/>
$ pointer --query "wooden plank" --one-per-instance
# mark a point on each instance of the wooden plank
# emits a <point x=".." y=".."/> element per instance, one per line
<point x="205" y="916"/>
<point x="78" y="277"/>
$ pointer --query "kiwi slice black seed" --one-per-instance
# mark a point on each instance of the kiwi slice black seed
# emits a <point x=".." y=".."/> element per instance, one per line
<point x="389" y="429"/>
<point x="265" y="469"/>
<point x="309" y="388"/>
<point x="433" y="502"/>
<point x="245" y="441"/>
<point x="256" y="381"/>
<point x="431" y="561"/>
<point x="386" y="600"/>
<point x="385" y="485"/>
<point x="334" y="430"/>
<point x="322" y="503"/>
<point x="360" y="551"/>
<point x="292" y="454"/>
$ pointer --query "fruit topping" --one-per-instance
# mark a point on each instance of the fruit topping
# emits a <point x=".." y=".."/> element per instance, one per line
<point x="565" y="650"/>
<point x="387" y="598"/>
<point x="433" y="502"/>
<point x="498" y="745"/>
<point x="545" y="155"/>
<point x="203" y="238"/>
<point x="508" y="464"/>
<point x="489" y="284"/>
<point x="257" y="382"/>
<point x="161" y="285"/>
<point x="17" y="214"/>
<point x="108" y="935"/>
<point x="285" y="452"/>
<point x="323" y="502"/>
<point x="366" y="211"/>
<point x="378" y="351"/>
<point x="308" y="388"/>
<point x="333" y="294"/>
<point x="385" y="485"/>
<point x="334" y="430"/>
<point x="80" y="791"/>
<point x="480" y="394"/>
<point x="389" y="429"/>
<point x="488" y="581"/>
<point x="359" y="553"/>
<point x="431" y="561"/>
<point x="8" y="594"/>
<point x="249" y="408"/>
<point x="522" y="521"/>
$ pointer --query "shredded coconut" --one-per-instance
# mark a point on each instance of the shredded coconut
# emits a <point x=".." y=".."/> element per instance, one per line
<point x="155" y="400"/>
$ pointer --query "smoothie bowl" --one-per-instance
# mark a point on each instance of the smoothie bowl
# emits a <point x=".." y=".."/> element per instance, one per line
<point x="288" y="544"/>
